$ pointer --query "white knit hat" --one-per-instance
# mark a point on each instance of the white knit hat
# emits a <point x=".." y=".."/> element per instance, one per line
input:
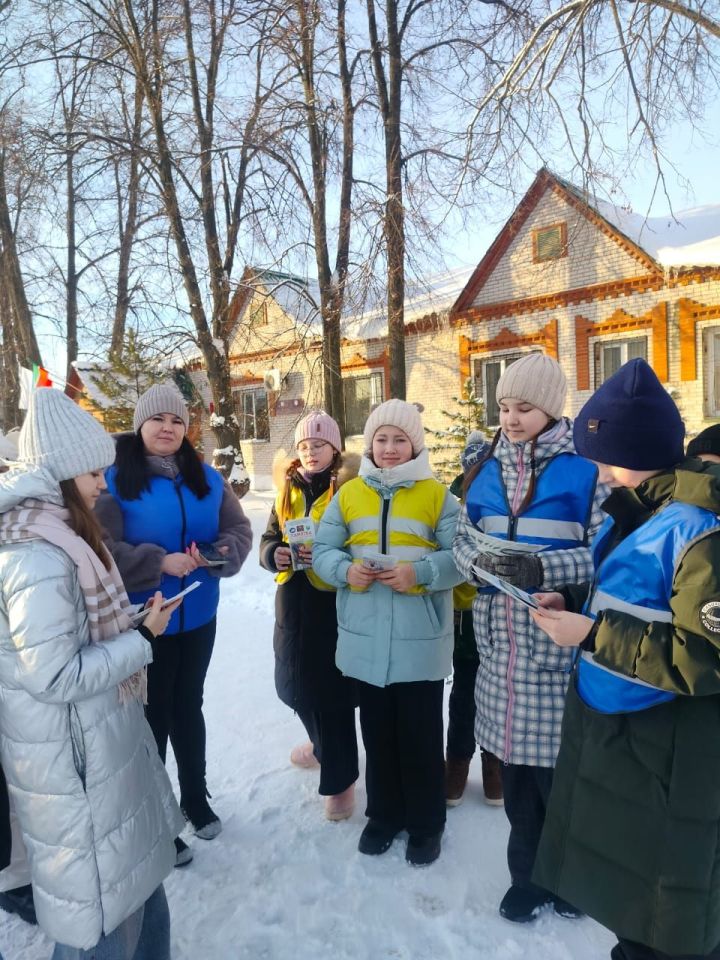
<point x="396" y="413"/>
<point x="160" y="398"/>
<point x="536" y="379"/>
<point x="62" y="437"/>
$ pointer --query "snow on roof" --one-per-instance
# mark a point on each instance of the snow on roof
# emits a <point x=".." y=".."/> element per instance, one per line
<point x="92" y="375"/>
<point x="298" y="297"/>
<point x="690" y="238"/>
<point x="436" y="293"/>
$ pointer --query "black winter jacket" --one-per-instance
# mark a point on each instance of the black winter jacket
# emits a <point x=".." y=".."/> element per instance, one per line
<point x="305" y="634"/>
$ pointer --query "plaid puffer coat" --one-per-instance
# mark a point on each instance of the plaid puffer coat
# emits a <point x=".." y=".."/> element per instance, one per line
<point x="522" y="678"/>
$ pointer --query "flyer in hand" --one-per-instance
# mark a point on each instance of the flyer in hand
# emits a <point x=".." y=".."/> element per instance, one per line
<point x="300" y="533"/>
<point x="512" y="591"/>
<point x="503" y="548"/>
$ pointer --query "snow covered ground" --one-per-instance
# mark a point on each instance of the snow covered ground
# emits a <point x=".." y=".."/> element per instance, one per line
<point x="282" y="883"/>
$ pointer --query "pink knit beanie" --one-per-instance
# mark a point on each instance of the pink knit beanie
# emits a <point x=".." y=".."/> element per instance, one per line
<point x="318" y="426"/>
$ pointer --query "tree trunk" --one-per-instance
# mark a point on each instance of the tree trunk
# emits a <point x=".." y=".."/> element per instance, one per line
<point x="27" y="341"/>
<point x="128" y="229"/>
<point x="389" y="88"/>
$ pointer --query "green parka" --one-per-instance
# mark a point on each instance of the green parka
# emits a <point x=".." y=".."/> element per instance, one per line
<point x="632" y="834"/>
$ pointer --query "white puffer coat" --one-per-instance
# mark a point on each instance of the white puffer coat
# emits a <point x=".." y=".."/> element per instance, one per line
<point x="94" y="803"/>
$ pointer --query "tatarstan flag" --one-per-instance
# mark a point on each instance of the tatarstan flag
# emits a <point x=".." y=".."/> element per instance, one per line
<point x="41" y="378"/>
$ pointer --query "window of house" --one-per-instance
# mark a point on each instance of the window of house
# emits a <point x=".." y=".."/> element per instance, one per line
<point x="549" y="243"/>
<point x="251" y="409"/>
<point x="486" y="374"/>
<point x="258" y="314"/>
<point x="711" y="349"/>
<point x="610" y="355"/>
<point x="361" y="395"/>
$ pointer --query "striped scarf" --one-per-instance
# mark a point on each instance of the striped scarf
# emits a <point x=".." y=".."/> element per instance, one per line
<point x="106" y="601"/>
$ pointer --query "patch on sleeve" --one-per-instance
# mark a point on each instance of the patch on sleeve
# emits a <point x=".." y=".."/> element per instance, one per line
<point x="710" y="616"/>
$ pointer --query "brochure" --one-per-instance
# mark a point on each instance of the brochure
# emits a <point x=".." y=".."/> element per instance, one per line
<point x="300" y="533"/>
<point x="138" y="616"/>
<point x="512" y="591"/>
<point x="379" y="561"/>
<point x="502" y="548"/>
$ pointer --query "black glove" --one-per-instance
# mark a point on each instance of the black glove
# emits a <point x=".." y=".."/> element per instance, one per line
<point x="520" y="569"/>
<point x="487" y="562"/>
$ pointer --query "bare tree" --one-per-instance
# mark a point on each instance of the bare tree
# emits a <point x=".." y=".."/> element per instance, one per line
<point x="177" y="52"/>
<point x="611" y="80"/>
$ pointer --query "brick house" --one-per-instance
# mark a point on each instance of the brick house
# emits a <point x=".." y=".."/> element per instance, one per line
<point x="582" y="281"/>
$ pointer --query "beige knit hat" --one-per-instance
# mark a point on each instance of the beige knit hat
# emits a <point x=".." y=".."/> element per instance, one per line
<point x="536" y="379"/>
<point x="396" y="413"/>
<point x="160" y="398"/>
<point x="63" y="438"/>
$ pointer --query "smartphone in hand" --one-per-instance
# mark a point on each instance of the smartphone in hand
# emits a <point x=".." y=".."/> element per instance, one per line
<point x="210" y="554"/>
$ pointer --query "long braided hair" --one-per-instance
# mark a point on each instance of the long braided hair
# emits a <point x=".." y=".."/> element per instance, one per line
<point x="530" y="492"/>
<point x="292" y="479"/>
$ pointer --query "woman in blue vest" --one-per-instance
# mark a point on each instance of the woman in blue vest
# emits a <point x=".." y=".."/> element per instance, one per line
<point x="633" y="824"/>
<point x="534" y="489"/>
<point x="162" y="501"/>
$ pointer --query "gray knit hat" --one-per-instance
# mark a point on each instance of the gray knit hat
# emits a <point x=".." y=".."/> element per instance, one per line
<point x="536" y="379"/>
<point x="62" y="437"/>
<point x="160" y="398"/>
<point x="396" y="413"/>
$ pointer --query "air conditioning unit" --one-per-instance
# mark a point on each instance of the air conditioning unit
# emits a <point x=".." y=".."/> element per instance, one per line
<point x="272" y="380"/>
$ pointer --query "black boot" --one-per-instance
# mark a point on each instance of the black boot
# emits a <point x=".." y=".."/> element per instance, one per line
<point x="377" y="837"/>
<point x="422" y="851"/>
<point x="564" y="909"/>
<point x="523" y="904"/>
<point x="19" y="901"/>
<point x="183" y="853"/>
<point x="202" y="818"/>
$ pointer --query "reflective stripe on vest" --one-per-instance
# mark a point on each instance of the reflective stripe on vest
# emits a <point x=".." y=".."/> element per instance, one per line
<point x="636" y="578"/>
<point x="526" y="527"/>
<point x="410" y="523"/>
<point x="559" y="513"/>
<point x="298" y="509"/>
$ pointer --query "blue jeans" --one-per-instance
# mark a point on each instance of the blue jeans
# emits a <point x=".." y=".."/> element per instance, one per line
<point x="145" y="935"/>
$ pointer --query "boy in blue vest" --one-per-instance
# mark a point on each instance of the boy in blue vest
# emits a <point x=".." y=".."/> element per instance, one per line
<point x="385" y="543"/>
<point x="633" y="825"/>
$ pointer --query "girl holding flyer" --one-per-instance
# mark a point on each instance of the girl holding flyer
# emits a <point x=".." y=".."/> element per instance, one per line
<point x="533" y="489"/>
<point x="385" y="543"/>
<point x="305" y="636"/>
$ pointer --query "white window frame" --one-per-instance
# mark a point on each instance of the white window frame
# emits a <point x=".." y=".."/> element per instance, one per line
<point x="711" y="377"/>
<point x="377" y="394"/>
<point x="480" y="380"/>
<point x="599" y="344"/>
<point x="239" y="394"/>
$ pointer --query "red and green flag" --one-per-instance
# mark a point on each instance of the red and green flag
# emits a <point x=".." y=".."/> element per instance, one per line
<point x="41" y="378"/>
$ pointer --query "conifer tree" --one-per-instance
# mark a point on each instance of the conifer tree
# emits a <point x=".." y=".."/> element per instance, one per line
<point x="449" y="442"/>
<point x="118" y="383"/>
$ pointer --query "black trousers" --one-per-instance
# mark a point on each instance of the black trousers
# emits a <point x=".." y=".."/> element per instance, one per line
<point x="629" y="950"/>
<point x="525" y="793"/>
<point x="334" y="741"/>
<point x="176" y="678"/>
<point x="461" y="708"/>
<point x="402" y="729"/>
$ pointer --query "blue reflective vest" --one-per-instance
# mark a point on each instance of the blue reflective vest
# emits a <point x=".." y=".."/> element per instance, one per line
<point x="560" y="511"/>
<point x="171" y="516"/>
<point x="637" y="578"/>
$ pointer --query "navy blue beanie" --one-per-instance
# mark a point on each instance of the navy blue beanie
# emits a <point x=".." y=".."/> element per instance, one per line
<point x="706" y="442"/>
<point x="631" y="421"/>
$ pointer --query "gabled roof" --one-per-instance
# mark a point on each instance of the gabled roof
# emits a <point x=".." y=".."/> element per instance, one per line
<point x="545" y="180"/>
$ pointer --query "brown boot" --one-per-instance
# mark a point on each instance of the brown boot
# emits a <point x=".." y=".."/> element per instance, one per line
<point x="492" y="781"/>
<point x="456" y="774"/>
